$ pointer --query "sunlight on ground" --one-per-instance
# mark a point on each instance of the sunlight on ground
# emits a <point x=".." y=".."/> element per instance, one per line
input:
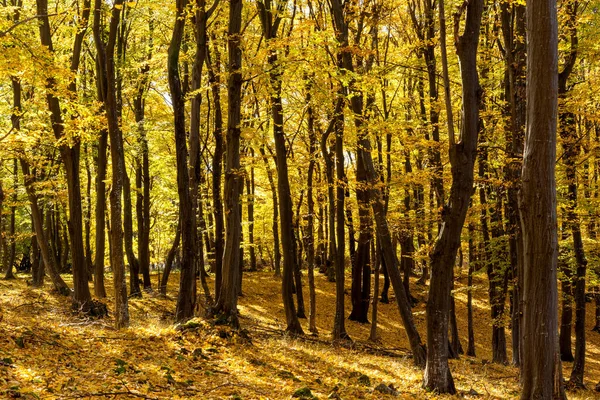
<point x="47" y="352"/>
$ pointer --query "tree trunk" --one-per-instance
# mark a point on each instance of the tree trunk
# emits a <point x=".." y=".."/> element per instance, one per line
<point x="513" y="28"/>
<point x="329" y="169"/>
<point x="339" y="329"/>
<point x="70" y="153"/>
<point x="270" y="26"/>
<point x="10" y="257"/>
<point x="48" y="255"/>
<point x="169" y="261"/>
<point x="228" y="296"/>
<point x="187" y="284"/>
<point x="134" y="266"/>
<point x="309" y="241"/>
<point x="276" y="251"/>
<point x="462" y="159"/>
<point x="37" y="266"/>
<point x="472" y="261"/>
<point x="250" y="189"/>
<point x="541" y="373"/>
<point x="99" y="289"/>
<point x="106" y="73"/>
<point x="142" y="176"/>
<point x="376" y="257"/>
<point x="301" y="313"/>
<point x="217" y="162"/>
<point x="88" y="217"/>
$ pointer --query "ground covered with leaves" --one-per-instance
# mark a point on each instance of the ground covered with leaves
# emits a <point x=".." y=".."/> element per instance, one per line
<point x="48" y="351"/>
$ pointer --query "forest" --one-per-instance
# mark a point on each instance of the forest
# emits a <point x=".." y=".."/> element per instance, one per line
<point x="274" y="199"/>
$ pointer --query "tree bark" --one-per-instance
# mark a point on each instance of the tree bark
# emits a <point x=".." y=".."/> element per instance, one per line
<point x="437" y="376"/>
<point x="309" y="241"/>
<point x="70" y="152"/>
<point x="142" y="175"/>
<point x="541" y="373"/>
<point x="106" y="72"/>
<point x="472" y="261"/>
<point x="228" y="296"/>
<point x="99" y="289"/>
<point x="270" y="25"/>
<point x="217" y="165"/>
<point x="186" y="299"/>
<point x="48" y="255"/>
<point x="169" y="261"/>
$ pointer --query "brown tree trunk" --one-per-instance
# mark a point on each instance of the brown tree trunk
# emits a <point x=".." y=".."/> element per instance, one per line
<point x="201" y="18"/>
<point x="300" y="311"/>
<point x="437" y="376"/>
<point x="270" y="26"/>
<point x="541" y="373"/>
<point x="48" y="255"/>
<point x="169" y="261"/>
<point x="142" y="175"/>
<point x="134" y="266"/>
<point x="99" y="289"/>
<point x="339" y="329"/>
<point x="217" y="165"/>
<point x="513" y="30"/>
<point x="472" y="261"/>
<point x="250" y="190"/>
<point x="37" y="266"/>
<point x="228" y="296"/>
<point x="309" y="241"/>
<point x="187" y="283"/>
<point x="70" y="154"/>
<point x="106" y="73"/>
<point x="276" y="251"/>
<point x="12" y="248"/>
<point x="376" y="260"/>
<point x="88" y="217"/>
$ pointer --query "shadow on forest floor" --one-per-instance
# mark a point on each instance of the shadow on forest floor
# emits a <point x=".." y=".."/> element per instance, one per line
<point x="47" y="352"/>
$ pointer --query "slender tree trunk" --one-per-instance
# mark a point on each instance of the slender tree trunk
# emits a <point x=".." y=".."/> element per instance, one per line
<point x="48" y="256"/>
<point x="462" y="158"/>
<point x="339" y="329"/>
<point x="250" y="190"/>
<point x="472" y="261"/>
<point x="201" y="17"/>
<point x="217" y="162"/>
<point x="513" y="30"/>
<point x="541" y="373"/>
<point x="228" y="296"/>
<point x="270" y="25"/>
<point x="10" y="257"/>
<point x="376" y="257"/>
<point x="106" y="72"/>
<point x="142" y="175"/>
<point x="276" y="246"/>
<point x="169" y="261"/>
<point x="37" y="266"/>
<point x="99" y="289"/>
<point x="329" y="169"/>
<point x="70" y="153"/>
<point x="309" y="242"/>
<point x="88" y="217"/>
<point x="187" y="284"/>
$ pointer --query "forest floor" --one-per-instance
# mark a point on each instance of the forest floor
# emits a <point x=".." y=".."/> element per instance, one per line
<point x="48" y="352"/>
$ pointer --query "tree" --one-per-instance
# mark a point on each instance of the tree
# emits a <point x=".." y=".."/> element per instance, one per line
<point x="462" y="159"/>
<point x="70" y="152"/>
<point x="541" y="373"/>
<point x="187" y="283"/>
<point x="228" y="295"/>
<point x="106" y="73"/>
<point x="270" y="25"/>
